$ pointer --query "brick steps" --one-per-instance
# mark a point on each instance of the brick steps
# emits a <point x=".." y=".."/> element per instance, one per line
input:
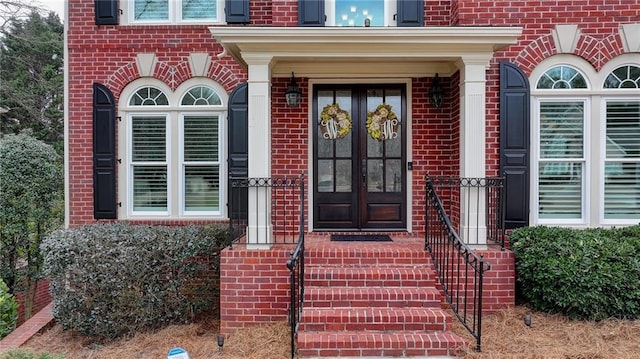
<point x="374" y="319"/>
<point x="337" y="297"/>
<point x="373" y="300"/>
<point x="377" y="344"/>
<point x="370" y="277"/>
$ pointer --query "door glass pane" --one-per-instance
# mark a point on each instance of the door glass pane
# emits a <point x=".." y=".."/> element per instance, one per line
<point x="343" y="145"/>
<point x="325" y="175"/>
<point x="354" y="12"/>
<point x="374" y="147"/>
<point x="393" y="176"/>
<point x="325" y="148"/>
<point x="393" y="146"/>
<point x="375" y="176"/>
<point x="343" y="176"/>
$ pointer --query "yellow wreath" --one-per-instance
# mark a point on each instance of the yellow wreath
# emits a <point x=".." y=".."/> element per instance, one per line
<point x="382" y="124"/>
<point x="334" y="122"/>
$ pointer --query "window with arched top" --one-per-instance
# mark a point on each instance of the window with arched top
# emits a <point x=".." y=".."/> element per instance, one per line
<point x="587" y="152"/>
<point x="622" y="145"/>
<point x="201" y="96"/>
<point x="149" y="96"/>
<point x="624" y="77"/>
<point x="173" y="149"/>
<point x="562" y="77"/>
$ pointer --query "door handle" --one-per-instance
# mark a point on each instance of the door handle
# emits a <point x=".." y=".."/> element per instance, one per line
<point x="364" y="171"/>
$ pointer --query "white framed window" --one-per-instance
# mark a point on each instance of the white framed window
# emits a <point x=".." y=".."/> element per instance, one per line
<point x="173" y="146"/>
<point x="173" y="11"/>
<point x="621" y="146"/>
<point x="352" y="13"/>
<point x="561" y="160"/>
<point x="585" y="142"/>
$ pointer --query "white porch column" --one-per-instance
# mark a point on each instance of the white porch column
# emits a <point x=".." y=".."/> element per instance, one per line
<point x="259" y="216"/>
<point x="473" y="229"/>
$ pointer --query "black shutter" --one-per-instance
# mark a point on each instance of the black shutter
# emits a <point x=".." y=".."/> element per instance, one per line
<point x="514" y="143"/>
<point x="104" y="153"/>
<point x="311" y="13"/>
<point x="237" y="11"/>
<point x="106" y="12"/>
<point x="410" y="13"/>
<point x="238" y="161"/>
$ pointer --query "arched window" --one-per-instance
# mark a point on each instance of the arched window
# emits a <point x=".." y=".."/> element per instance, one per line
<point x="623" y="77"/>
<point x="586" y="155"/>
<point x="173" y="149"/>
<point x="201" y="96"/>
<point x="149" y="96"/>
<point x="562" y="77"/>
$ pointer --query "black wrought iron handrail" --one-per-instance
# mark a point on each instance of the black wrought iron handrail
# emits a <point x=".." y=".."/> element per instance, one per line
<point x="249" y="192"/>
<point x="471" y="191"/>
<point x="459" y="268"/>
<point x="286" y="221"/>
<point x="295" y="263"/>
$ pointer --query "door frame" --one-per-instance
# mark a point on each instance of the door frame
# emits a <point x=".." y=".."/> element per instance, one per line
<point x="409" y="141"/>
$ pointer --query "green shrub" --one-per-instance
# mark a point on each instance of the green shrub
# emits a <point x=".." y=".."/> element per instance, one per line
<point x="8" y="311"/>
<point x="110" y="280"/>
<point x="589" y="274"/>
<point x="31" y="206"/>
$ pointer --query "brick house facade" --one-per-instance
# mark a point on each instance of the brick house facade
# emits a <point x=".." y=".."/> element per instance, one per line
<point x="143" y="78"/>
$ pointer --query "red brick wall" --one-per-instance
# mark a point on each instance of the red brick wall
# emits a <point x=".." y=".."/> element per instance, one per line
<point x="41" y="299"/>
<point x="254" y="287"/>
<point x="499" y="286"/>
<point x="107" y="55"/>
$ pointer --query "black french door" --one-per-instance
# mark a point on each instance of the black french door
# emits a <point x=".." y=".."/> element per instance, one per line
<point x="359" y="157"/>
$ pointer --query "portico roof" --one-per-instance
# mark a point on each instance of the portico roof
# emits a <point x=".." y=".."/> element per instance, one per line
<point x="363" y="51"/>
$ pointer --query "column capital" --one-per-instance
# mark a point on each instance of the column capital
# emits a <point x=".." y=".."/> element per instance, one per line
<point x="473" y="67"/>
<point x="257" y="58"/>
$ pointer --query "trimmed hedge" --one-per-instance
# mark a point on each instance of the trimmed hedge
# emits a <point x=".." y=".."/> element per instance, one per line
<point x="111" y="280"/>
<point x="588" y="274"/>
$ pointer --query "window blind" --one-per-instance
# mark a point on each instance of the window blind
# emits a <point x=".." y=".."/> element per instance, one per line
<point x="149" y="168"/>
<point x="151" y="9"/>
<point x="199" y="9"/>
<point x="201" y="163"/>
<point x="622" y="163"/>
<point x="561" y="162"/>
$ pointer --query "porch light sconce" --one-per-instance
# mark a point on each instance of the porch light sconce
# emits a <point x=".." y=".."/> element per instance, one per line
<point x="435" y="93"/>
<point x="293" y="93"/>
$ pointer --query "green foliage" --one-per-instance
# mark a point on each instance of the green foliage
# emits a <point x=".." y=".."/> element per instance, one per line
<point x="31" y="76"/>
<point x="8" y="311"/>
<point x="588" y="274"/>
<point x="23" y="354"/>
<point x="31" y="204"/>
<point x="111" y="280"/>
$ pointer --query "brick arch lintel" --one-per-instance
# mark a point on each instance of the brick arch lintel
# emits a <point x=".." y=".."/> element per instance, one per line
<point x="172" y="75"/>
<point x="596" y="51"/>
